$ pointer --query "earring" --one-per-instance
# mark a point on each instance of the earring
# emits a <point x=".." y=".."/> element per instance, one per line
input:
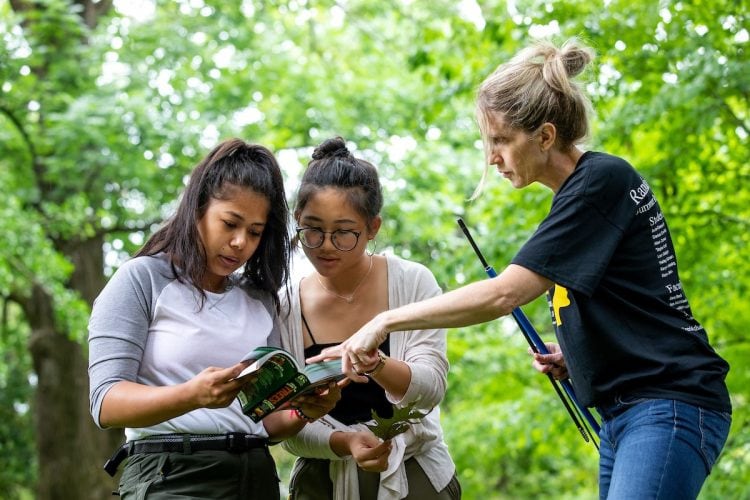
<point x="374" y="247"/>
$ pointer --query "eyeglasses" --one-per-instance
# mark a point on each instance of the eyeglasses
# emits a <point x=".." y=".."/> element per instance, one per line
<point x="342" y="239"/>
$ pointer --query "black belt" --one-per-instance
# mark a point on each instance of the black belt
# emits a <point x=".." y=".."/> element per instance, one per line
<point x="234" y="442"/>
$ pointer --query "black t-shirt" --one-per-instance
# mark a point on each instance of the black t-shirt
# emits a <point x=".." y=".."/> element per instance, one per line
<point x="621" y="317"/>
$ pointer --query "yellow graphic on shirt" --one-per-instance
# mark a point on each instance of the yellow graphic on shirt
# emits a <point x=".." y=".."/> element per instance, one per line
<point x="559" y="299"/>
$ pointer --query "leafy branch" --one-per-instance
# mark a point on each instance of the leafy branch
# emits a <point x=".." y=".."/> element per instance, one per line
<point x="388" y="428"/>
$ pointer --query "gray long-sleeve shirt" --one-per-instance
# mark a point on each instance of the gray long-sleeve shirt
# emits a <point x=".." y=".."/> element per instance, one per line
<point x="147" y="327"/>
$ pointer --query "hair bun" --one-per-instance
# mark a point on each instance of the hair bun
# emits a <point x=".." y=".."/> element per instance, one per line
<point x="331" y="148"/>
<point x="575" y="58"/>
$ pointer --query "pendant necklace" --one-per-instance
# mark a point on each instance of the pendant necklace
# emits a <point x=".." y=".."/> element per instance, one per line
<point x="347" y="298"/>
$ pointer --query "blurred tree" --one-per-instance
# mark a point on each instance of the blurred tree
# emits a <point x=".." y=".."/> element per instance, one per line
<point x="52" y="259"/>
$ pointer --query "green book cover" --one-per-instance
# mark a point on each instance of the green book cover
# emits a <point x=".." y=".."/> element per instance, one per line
<point x="273" y="378"/>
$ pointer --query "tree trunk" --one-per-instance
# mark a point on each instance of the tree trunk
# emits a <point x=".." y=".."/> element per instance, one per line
<point x="71" y="449"/>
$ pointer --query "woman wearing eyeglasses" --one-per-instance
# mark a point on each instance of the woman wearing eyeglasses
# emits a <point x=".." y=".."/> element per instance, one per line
<point x="337" y="214"/>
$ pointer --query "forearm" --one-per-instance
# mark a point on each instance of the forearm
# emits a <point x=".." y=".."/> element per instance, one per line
<point x="394" y="376"/>
<point x="313" y="441"/>
<point x="283" y="424"/>
<point x="129" y="404"/>
<point x="340" y="443"/>
<point x="469" y="305"/>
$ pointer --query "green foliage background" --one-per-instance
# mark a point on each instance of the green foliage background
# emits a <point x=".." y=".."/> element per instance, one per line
<point x="97" y="146"/>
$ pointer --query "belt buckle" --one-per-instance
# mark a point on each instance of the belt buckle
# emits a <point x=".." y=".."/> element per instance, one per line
<point x="236" y="442"/>
<point x="120" y="454"/>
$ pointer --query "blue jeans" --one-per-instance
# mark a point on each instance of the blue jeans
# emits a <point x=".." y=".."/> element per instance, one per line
<point x="658" y="448"/>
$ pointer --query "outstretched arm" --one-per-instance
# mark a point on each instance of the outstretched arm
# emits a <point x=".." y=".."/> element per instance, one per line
<point x="469" y="305"/>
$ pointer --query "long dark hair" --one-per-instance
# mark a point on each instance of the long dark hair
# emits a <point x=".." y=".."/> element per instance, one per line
<point x="233" y="163"/>
<point x="333" y="165"/>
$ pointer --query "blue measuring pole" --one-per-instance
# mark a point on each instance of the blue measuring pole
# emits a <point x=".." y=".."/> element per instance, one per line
<point x="537" y="345"/>
<point x="523" y="323"/>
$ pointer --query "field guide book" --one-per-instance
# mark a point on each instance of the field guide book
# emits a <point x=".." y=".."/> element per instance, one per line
<point x="274" y="378"/>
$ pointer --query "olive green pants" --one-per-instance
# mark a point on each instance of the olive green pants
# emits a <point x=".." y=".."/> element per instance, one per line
<point x="311" y="481"/>
<point x="205" y="474"/>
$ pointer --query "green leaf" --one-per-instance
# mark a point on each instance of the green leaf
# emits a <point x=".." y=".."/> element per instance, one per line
<point x="402" y="419"/>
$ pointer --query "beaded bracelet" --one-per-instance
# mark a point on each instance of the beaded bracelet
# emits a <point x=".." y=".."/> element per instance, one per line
<point x="301" y="415"/>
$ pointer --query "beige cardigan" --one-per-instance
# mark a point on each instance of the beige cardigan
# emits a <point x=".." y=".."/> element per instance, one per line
<point x="424" y="351"/>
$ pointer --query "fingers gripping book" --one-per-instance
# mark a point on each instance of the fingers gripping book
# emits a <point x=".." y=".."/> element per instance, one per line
<point x="273" y="378"/>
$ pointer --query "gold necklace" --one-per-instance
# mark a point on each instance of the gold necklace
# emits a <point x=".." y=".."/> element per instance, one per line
<point x="348" y="298"/>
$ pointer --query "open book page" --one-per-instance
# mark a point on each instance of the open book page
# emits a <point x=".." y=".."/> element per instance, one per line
<point x="321" y="374"/>
<point x="258" y="356"/>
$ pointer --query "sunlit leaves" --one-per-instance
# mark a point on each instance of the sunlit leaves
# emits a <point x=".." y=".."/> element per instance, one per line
<point x="98" y="128"/>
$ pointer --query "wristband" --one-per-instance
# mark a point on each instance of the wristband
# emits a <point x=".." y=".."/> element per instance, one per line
<point x="379" y="366"/>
